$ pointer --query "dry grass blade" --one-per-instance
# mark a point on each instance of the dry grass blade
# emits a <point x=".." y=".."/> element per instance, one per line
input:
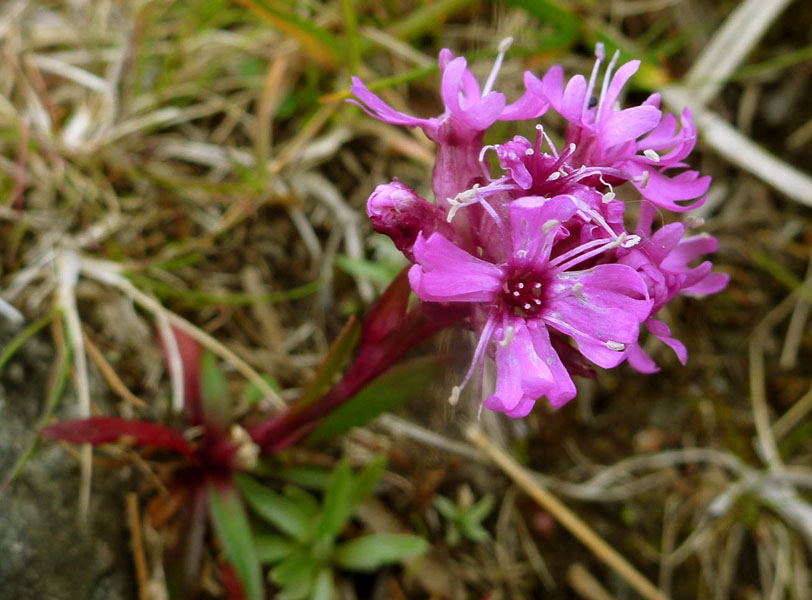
<point x="730" y="45"/>
<point x="567" y="518"/>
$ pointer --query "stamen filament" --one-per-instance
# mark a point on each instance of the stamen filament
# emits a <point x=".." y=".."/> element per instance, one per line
<point x="504" y="45"/>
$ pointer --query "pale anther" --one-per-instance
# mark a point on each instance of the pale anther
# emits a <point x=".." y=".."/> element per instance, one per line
<point x="652" y="155"/>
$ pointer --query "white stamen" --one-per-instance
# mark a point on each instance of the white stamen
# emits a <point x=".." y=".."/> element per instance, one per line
<point x="643" y="179"/>
<point x="516" y="294"/>
<point x="527" y="306"/>
<point x="454" y="397"/>
<point x="632" y="240"/>
<point x="600" y="55"/>
<point x="504" y="46"/>
<point x="513" y="156"/>
<point x="509" y="334"/>
<point x="548" y="226"/>
<point x="577" y="287"/>
<point x="536" y="286"/>
<point x="572" y="149"/>
<point x="652" y="155"/>
<point x="606" y="79"/>
<point x="554" y="176"/>
<point x="520" y="285"/>
<point x="529" y="152"/>
<point x="616" y="346"/>
<point x="537" y="301"/>
<point x="462" y="199"/>
<point x="521" y="253"/>
<point x="607" y="197"/>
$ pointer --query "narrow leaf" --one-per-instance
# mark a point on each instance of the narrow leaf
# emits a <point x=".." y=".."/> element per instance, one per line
<point x="273" y="548"/>
<point x="383" y="394"/>
<point x="216" y="402"/>
<point x="324" y="589"/>
<point x="373" y="551"/>
<point x="365" y="481"/>
<point x="283" y="513"/>
<point x="231" y="523"/>
<point x="336" y="358"/>
<point x="338" y="505"/>
<point x="105" y="430"/>
<point x="295" y="569"/>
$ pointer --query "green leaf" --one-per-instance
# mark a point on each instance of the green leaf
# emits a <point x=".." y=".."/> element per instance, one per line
<point x="307" y="502"/>
<point x="309" y="477"/>
<point x="324" y="589"/>
<point x="216" y="403"/>
<point x="253" y="393"/>
<point x="480" y="509"/>
<point x="294" y="570"/>
<point x="336" y="358"/>
<point x="231" y="523"/>
<point x="365" y="481"/>
<point x="381" y="395"/>
<point x="281" y="512"/>
<point x="337" y="507"/>
<point x="445" y="507"/>
<point x="476" y="533"/>
<point x="373" y="270"/>
<point x="273" y="548"/>
<point x="373" y="551"/>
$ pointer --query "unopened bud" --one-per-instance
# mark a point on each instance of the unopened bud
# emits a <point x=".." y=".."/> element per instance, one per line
<point x="397" y="211"/>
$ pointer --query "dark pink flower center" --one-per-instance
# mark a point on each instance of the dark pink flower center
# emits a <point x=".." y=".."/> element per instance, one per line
<point x="522" y="290"/>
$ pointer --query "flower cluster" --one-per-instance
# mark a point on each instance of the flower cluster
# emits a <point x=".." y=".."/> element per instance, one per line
<point x="539" y="252"/>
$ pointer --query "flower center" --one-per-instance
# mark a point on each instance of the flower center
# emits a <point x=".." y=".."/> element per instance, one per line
<point x="522" y="291"/>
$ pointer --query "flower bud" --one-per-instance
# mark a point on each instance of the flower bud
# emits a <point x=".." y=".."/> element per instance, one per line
<point x="397" y="211"/>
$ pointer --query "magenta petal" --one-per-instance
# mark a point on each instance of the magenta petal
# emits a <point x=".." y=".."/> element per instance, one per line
<point x="522" y="376"/>
<point x="663" y="242"/>
<point x="512" y="159"/>
<point x="572" y="102"/>
<point x="619" y="79"/>
<point x="640" y="360"/>
<point x="479" y="114"/>
<point x="602" y="311"/>
<point x="530" y="106"/>
<point x="536" y="223"/>
<point x="550" y="87"/>
<point x="445" y="273"/>
<point x="105" y="430"/>
<point x="562" y="389"/>
<point x="629" y="124"/>
<point x="666" y="192"/>
<point x="690" y="249"/>
<point x="663" y="333"/>
<point x="377" y="108"/>
<point x="713" y="283"/>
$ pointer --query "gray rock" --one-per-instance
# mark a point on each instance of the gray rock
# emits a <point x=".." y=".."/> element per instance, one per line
<point x="45" y="553"/>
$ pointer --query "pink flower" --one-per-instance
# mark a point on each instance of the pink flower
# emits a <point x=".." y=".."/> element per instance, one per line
<point x="662" y="260"/>
<point x="469" y="111"/>
<point x="518" y="299"/>
<point x="638" y="142"/>
<point x="538" y="255"/>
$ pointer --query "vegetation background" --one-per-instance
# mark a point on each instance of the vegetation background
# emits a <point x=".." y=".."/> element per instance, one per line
<point x="164" y="160"/>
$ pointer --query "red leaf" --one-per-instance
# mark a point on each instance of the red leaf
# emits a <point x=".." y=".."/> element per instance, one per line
<point x="389" y="310"/>
<point x="104" y="430"/>
<point x="190" y="354"/>
<point x="231" y="582"/>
